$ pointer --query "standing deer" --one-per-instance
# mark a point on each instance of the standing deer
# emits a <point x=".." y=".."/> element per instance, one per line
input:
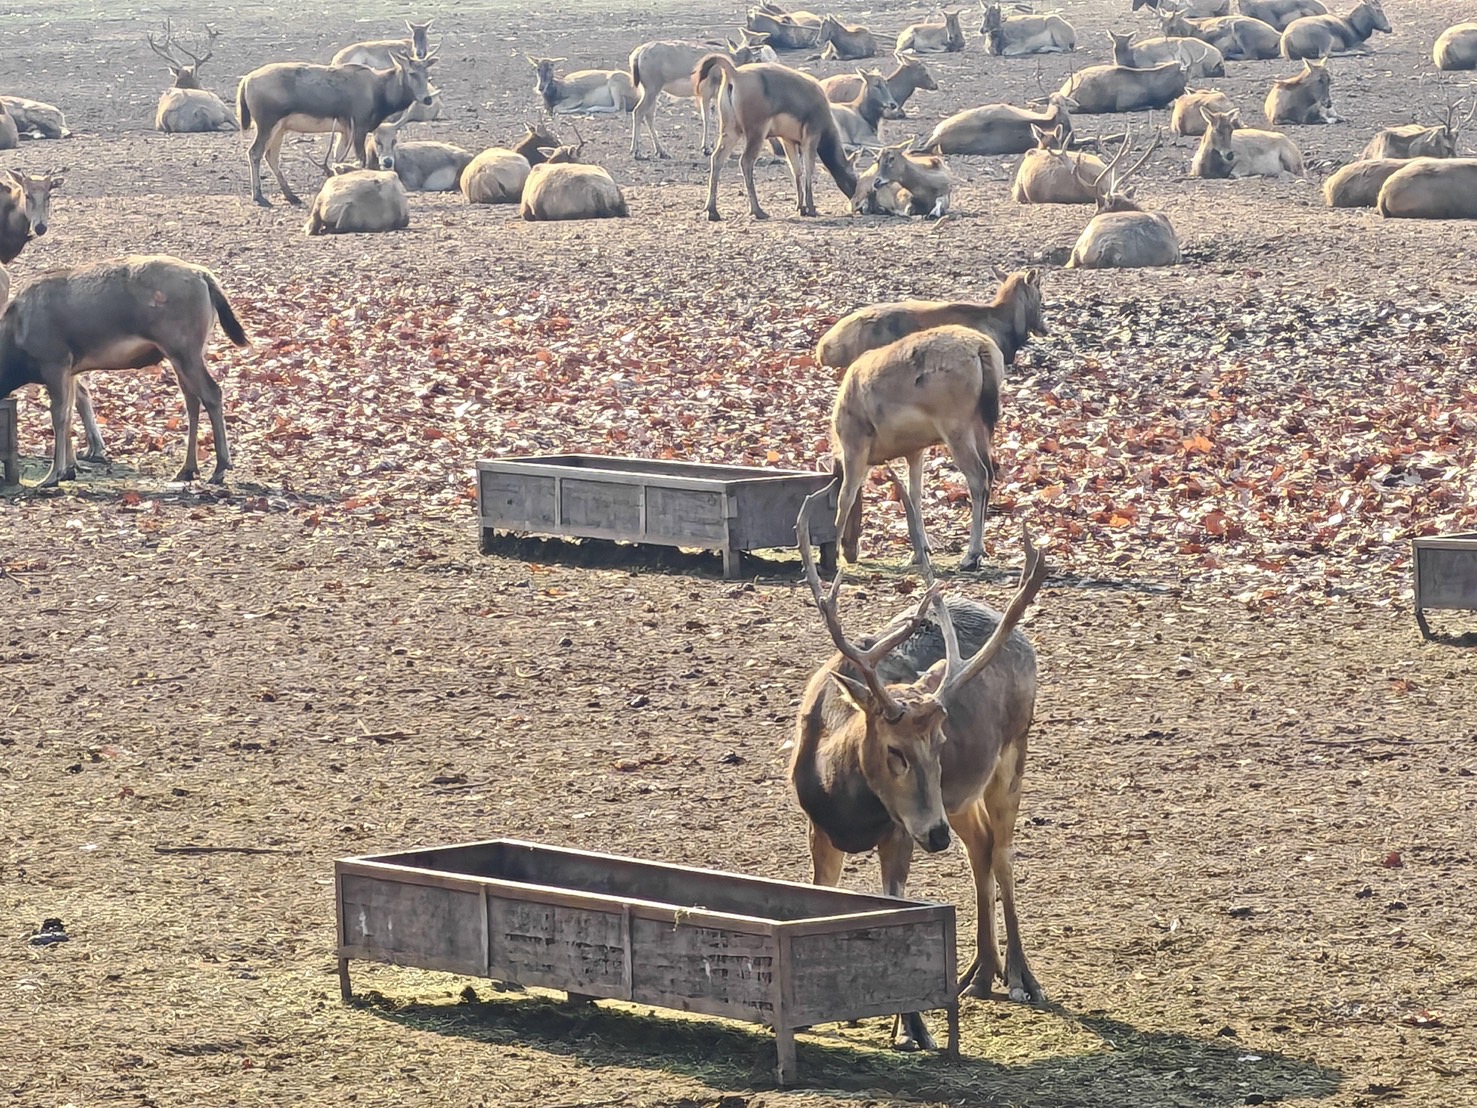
<point x="126" y="314"/>
<point x="1122" y="235"/>
<point x="665" y="66"/>
<point x="188" y="107"/>
<point x="901" y="739"/>
<point x="1323" y="36"/>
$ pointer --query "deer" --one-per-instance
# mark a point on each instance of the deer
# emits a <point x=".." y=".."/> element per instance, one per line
<point x="1324" y="36"/>
<point x="10" y="135"/>
<point x="900" y="739"/>
<point x="25" y="210"/>
<point x="583" y="92"/>
<point x="1011" y="318"/>
<point x="667" y="66"/>
<point x="4" y="287"/>
<point x="1430" y="188"/>
<point x="784" y="30"/>
<point x="840" y="42"/>
<point x="933" y="38"/>
<point x="558" y="190"/>
<point x="1358" y="184"/>
<point x="1050" y="175"/>
<point x="299" y="96"/>
<point x="1122" y="235"/>
<point x="1456" y="48"/>
<point x="858" y="119"/>
<point x="764" y="99"/>
<point x="910" y="75"/>
<point x="1199" y="9"/>
<point x="1279" y="13"/>
<point x="495" y="176"/>
<point x="421" y="166"/>
<point x="1199" y="59"/>
<point x="187" y="107"/>
<point x="36" y="118"/>
<point x="1303" y="98"/>
<point x="1230" y="150"/>
<point x="1239" y="38"/>
<point x="1187" y="116"/>
<point x="1012" y="36"/>
<point x="359" y="201"/>
<point x="1415" y="141"/>
<point x="535" y="139"/>
<point x="905" y="183"/>
<point x="128" y="313"/>
<point x="1102" y="89"/>
<point x="1000" y="128"/>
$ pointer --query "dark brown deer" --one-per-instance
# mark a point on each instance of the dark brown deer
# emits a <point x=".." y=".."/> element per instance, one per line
<point x="900" y="739"/>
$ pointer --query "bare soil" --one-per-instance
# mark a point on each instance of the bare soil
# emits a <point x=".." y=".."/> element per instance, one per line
<point x="1246" y="853"/>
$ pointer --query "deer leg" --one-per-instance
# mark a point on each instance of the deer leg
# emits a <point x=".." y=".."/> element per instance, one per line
<point x="807" y="198"/>
<point x="254" y="160"/>
<point x="791" y="151"/>
<point x="825" y="860"/>
<point x="63" y="395"/>
<point x="274" y="159"/>
<point x="721" y="152"/>
<point x="1001" y="803"/>
<point x="752" y="145"/>
<point x="895" y="852"/>
<point x="976" y="470"/>
<point x="849" y="504"/>
<point x="915" y="493"/>
<point x="96" y="452"/>
<point x="972" y="825"/>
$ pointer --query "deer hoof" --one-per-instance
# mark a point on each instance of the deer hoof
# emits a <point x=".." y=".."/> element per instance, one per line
<point x="979" y="988"/>
<point x="760" y="213"/>
<point x="262" y="201"/>
<point x="913" y="1035"/>
<point x="1027" y="990"/>
<point x="97" y="456"/>
<point x="185" y="476"/>
<point x="295" y="201"/>
<point x="713" y="216"/>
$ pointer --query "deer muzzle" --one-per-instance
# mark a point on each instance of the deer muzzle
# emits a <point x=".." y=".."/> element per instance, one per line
<point x="938" y="838"/>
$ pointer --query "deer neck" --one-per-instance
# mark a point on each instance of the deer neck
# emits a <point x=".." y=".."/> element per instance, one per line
<point x="831" y="785"/>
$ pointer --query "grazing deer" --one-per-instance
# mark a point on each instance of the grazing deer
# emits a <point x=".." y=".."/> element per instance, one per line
<point x="10" y="135"/>
<point x="1199" y="59"/>
<point x="125" y="314"/>
<point x="1187" y="117"/>
<point x="1230" y="150"/>
<point x="843" y="43"/>
<point x="421" y="166"/>
<point x="35" y="118"/>
<point x="933" y="38"/>
<point x="1000" y="128"/>
<point x="1122" y="235"/>
<point x="1015" y="35"/>
<point x="1456" y="48"/>
<point x="1050" y="175"/>
<point x="559" y="190"/>
<point x="1101" y="89"/>
<point x="1279" y="13"/>
<point x="1324" y="36"/>
<point x="858" y="119"/>
<point x="297" y="96"/>
<point x="1414" y="141"/>
<point x="583" y="92"/>
<point x="1239" y="38"/>
<point x="1358" y="184"/>
<point x="658" y="67"/>
<point x="495" y="176"/>
<point x="904" y="183"/>
<point x="1010" y="319"/>
<point x="359" y="201"/>
<point x="1304" y="98"/>
<point x="939" y="386"/>
<point x="761" y="100"/>
<point x="900" y="739"/>
<point x="910" y="75"/>
<point x="784" y="30"/>
<point x="188" y="107"/>
<point x="1430" y="188"/>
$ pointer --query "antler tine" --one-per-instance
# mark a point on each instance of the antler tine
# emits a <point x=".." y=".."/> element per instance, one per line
<point x="195" y="59"/>
<point x="1131" y="170"/>
<point x="163" y="52"/>
<point x="1032" y="578"/>
<point x="1470" y="111"/>
<point x="1108" y="169"/>
<point x="920" y="545"/>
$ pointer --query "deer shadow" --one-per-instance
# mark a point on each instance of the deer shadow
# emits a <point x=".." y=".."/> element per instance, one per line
<point x="1123" y="1065"/>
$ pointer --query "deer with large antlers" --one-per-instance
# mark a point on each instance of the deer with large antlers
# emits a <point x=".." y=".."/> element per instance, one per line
<point x="900" y="739"/>
<point x="1122" y="235"/>
<point x="187" y="107"/>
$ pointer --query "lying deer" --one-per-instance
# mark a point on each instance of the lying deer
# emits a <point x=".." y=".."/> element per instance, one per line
<point x="537" y="139"/>
<point x="583" y="92"/>
<point x="1456" y="48"/>
<point x="1279" y="13"/>
<point x="904" y="183"/>
<point x="1187" y="117"/>
<point x="1199" y="9"/>
<point x="1430" y="188"/>
<point x="1228" y="149"/>
<point x="901" y="739"/>
<point x="188" y="107"/>
<point x="1015" y="35"/>
<point x="35" y="118"/>
<point x="561" y="188"/>
<point x="784" y="30"/>
<point x="10" y="134"/>
<point x="359" y="201"/>
<point x="126" y="314"/>
<point x="1100" y="89"/>
<point x="844" y="43"/>
<point x="910" y="75"/>
<point x="1358" y="184"/>
<point x="1199" y="59"/>
<point x="1010" y="319"/>
<point x="1000" y="128"/>
<point x="939" y="386"/>
<point x="495" y="176"/>
<point x="1239" y="38"/>
<point x="1304" y="98"/>
<point x="1122" y="235"/>
<point x="1415" y="141"/>
<point x="1050" y="175"/>
<point x="763" y="100"/>
<point x="1323" y="36"/>
<point x="933" y="38"/>
<point x="421" y="166"/>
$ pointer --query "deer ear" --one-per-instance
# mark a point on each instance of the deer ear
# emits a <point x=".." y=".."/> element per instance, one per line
<point x="548" y="151"/>
<point x="855" y="693"/>
<point x="1001" y="273"/>
<point x="1033" y="276"/>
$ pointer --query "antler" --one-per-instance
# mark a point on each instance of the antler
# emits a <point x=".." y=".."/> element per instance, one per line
<point x="825" y="602"/>
<point x="579" y="137"/>
<point x="164" y="51"/>
<point x="211" y="34"/>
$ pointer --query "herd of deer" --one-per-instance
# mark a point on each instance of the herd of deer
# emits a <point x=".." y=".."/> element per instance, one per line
<point x="900" y="740"/>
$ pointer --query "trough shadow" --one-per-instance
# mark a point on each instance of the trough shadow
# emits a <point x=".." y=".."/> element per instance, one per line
<point x="1147" y="1069"/>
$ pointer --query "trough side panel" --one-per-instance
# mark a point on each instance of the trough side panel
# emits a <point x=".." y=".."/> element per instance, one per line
<point x="419" y="925"/>
<point x="685" y="517"/>
<point x="603" y="508"/>
<point x="515" y="500"/>
<point x="871" y="971"/>
<point x="9" y="447"/>
<point x="556" y="946"/>
<point x="1446" y="576"/>
<point x="767" y="511"/>
<point x="703" y="969"/>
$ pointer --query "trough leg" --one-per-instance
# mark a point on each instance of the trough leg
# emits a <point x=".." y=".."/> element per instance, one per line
<point x="952" y="1050"/>
<point x="579" y="998"/>
<point x="733" y="560"/>
<point x="784" y="1045"/>
<point x="1420" y="613"/>
<point x="12" y="471"/>
<point x="345" y="990"/>
<point x="828" y="557"/>
<point x="484" y="544"/>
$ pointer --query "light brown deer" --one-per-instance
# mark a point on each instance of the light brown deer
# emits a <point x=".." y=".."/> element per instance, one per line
<point x="1279" y="13"/>
<point x="10" y="134"/>
<point x="188" y="107"/>
<point x="1050" y="175"/>
<point x="1122" y="235"/>
<point x="1229" y="150"/>
<point x="844" y="43"/>
<point x="1431" y="188"/>
<point x="1456" y="48"/>
<point x="495" y="176"/>
<point x="1358" y="184"/>
<point x="1415" y="141"/>
<point x="1015" y="35"/>
<point x="1196" y="57"/>
<point x="1306" y="97"/>
<point x="910" y="75"/>
<point x="902" y="739"/>
<point x="859" y="119"/>
<point x="667" y="66"/>
<point x="1187" y="116"/>
<point x="933" y="38"/>
<point x="1325" y="36"/>
<point x="359" y="201"/>
<point x="1239" y="38"/>
<point x="1000" y="128"/>
<point x="905" y="183"/>
<point x="559" y="190"/>
<point x="1100" y="89"/>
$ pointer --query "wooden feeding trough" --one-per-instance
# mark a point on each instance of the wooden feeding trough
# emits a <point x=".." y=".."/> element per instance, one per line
<point x="711" y="507"/>
<point x="1445" y="574"/>
<point x="600" y="926"/>
<point x="10" y="466"/>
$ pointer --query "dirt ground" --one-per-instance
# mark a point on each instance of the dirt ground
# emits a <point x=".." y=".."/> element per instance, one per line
<point x="1245" y="854"/>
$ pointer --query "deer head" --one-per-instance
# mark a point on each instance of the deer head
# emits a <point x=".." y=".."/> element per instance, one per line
<point x="1110" y="187"/>
<point x="186" y="75"/>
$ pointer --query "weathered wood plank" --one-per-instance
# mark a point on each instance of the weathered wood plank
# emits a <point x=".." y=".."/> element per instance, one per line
<point x="9" y="444"/>
<point x="767" y="511"/>
<point x="703" y="969"/>
<point x="679" y="516"/>
<point x="870" y="971"/>
<point x="1446" y="572"/>
<point x="516" y="501"/>
<point x="441" y="925"/>
<point x="557" y="946"/>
